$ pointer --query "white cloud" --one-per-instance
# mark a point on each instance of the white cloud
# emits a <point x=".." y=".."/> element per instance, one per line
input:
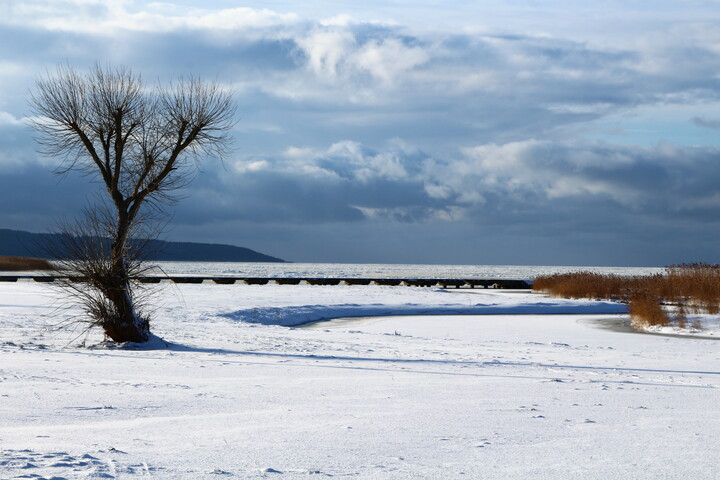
<point x="389" y="59"/>
<point x="635" y="177"/>
<point x="342" y="61"/>
<point x="10" y="119"/>
<point x="409" y="214"/>
<point x="241" y="18"/>
<point x="342" y="20"/>
<point x="336" y="55"/>
<point x="250" y="166"/>
<point x="365" y="165"/>
<point x="301" y="153"/>
<point x="107" y="17"/>
<point x="326" y="50"/>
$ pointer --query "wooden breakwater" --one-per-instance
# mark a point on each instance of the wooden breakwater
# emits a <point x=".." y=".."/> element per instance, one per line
<point x="223" y="280"/>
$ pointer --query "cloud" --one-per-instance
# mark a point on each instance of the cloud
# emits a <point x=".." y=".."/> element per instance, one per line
<point x="333" y="63"/>
<point x="109" y="17"/>
<point x="325" y="50"/>
<point x="35" y="199"/>
<point x="706" y="123"/>
<point x="663" y="181"/>
<point x="499" y="122"/>
<point x="10" y="119"/>
<point x="515" y="183"/>
<point x="390" y="59"/>
<point x="345" y="182"/>
<point x="527" y="202"/>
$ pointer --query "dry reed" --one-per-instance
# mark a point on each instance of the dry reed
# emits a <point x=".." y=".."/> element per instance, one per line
<point x="17" y="264"/>
<point x="693" y="287"/>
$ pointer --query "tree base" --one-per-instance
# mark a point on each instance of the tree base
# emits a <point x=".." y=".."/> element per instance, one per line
<point x="137" y="331"/>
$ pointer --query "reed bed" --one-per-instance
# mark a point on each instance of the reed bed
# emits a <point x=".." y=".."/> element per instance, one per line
<point x="654" y="300"/>
<point x="17" y="264"/>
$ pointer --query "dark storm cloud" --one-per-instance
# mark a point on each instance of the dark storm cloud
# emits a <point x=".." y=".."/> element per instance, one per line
<point x="534" y="184"/>
<point x="334" y="185"/>
<point x="35" y="199"/>
<point x="706" y="123"/>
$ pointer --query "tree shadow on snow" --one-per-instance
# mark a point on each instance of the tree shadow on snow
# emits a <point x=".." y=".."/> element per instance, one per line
<point x="225" y="353"/>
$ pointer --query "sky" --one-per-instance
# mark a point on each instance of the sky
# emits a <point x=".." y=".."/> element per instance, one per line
<point x="457" y="132"/>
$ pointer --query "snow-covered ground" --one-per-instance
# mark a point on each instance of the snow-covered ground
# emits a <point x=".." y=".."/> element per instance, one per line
<point x="519" y="386"/>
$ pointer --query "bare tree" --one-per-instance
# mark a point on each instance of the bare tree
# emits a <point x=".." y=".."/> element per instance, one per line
<point x="81" y="249"/>
<point x="143" y="144"/>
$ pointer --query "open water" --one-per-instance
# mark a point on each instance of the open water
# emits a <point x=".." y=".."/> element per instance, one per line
<point x="338" y="270"/>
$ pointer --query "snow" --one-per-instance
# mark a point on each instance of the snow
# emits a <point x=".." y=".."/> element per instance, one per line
<point x="247" y="382"/>
<point x="306" y="303"/>
<point x="697" y="325"/>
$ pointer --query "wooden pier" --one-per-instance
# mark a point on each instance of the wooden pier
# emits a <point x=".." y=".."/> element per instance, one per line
<point x="410" y="282"/>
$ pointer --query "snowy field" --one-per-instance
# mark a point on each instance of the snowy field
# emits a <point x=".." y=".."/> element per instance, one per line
<point x="475" y="384"/>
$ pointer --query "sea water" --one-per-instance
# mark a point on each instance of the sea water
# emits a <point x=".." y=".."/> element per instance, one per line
<point x="342" y="270"/>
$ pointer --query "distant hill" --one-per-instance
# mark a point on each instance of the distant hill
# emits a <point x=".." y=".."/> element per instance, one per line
<point x="26" y="244"/>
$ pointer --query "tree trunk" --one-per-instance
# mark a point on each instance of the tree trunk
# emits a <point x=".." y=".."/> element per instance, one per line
<point x="123" y="324"/>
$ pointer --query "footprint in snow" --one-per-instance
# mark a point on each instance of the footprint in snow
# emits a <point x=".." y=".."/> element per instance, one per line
<point x="218" y="471"/>
<point x="56" y="465"/>
<point x="270" y="470"/>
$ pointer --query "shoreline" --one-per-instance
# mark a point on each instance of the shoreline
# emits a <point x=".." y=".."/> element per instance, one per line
<point x="623" y="325"/>
<point x="599" y="321"/>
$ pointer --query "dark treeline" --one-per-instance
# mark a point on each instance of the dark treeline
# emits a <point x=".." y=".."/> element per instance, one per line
<point x="26" y="244"/>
